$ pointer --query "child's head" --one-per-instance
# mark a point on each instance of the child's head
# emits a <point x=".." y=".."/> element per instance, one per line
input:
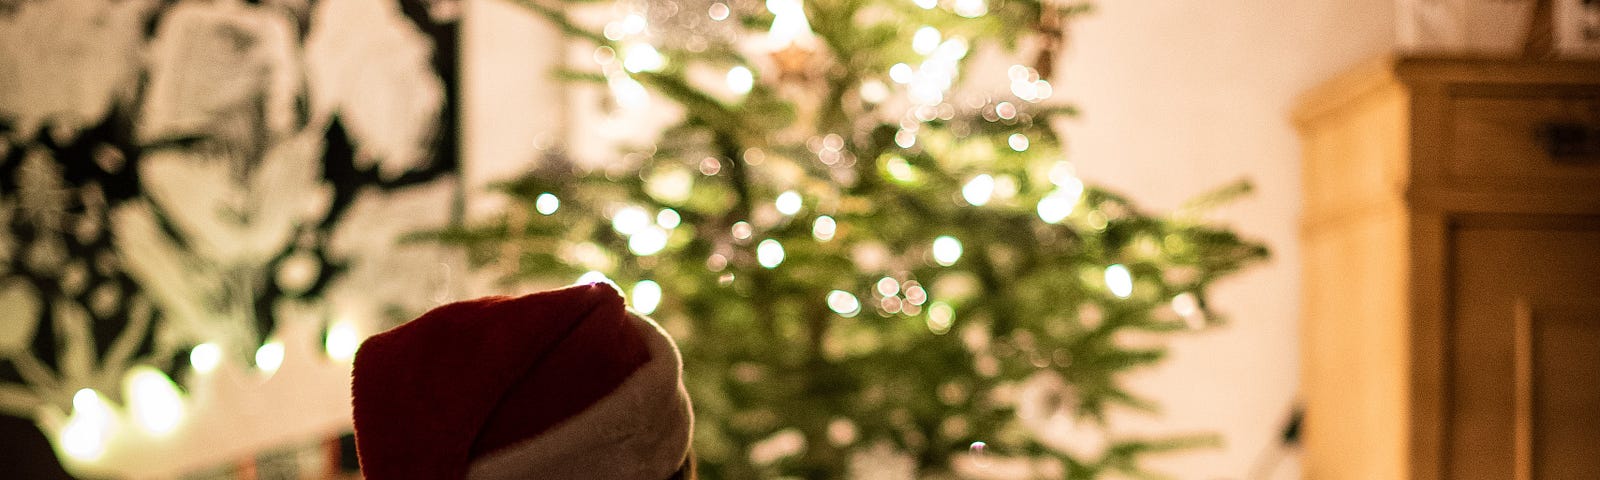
<point x="558" y="384"/>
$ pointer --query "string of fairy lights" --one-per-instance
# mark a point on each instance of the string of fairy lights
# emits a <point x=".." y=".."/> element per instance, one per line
<point x="156" y="406"/>
<point x="926" y="85"/>
<point x="840" y="197"/>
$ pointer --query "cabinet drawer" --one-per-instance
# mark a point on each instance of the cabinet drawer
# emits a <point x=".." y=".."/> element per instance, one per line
<point x="1530" y="138"/>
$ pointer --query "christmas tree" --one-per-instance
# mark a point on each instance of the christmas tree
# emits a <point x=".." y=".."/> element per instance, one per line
<point x="877" y="263"/>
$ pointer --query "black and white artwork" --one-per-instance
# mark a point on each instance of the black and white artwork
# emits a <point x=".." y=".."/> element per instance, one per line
<point x="197" y="171"/>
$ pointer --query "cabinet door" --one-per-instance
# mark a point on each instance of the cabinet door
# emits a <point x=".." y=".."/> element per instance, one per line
<point x="1524" y="374"/>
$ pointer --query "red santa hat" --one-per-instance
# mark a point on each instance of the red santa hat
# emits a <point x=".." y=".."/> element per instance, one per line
<point x="558" y="384"/>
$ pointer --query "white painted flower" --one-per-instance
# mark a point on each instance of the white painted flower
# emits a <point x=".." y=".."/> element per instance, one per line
<point x="225" y="222"/>
<point x="369" y="65"/>
<point x="19" y="317"/>
<point x="42" y="195"/>
<point x="224" y="71"/>
<point x="188" y="293"/>
<point x="230" y="220"/>
<point x="66" y="62"/>
<point x="385" y="276"/>
<point x="75" y="337"/>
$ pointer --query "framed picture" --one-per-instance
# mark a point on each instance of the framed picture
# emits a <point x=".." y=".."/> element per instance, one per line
<point x="183" y="176"/>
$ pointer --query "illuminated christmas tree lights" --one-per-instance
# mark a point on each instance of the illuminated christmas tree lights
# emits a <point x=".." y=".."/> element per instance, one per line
<point x="877" y="264"/>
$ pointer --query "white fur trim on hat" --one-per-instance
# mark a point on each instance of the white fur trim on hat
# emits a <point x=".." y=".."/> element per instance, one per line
<point x="641" y="431"/>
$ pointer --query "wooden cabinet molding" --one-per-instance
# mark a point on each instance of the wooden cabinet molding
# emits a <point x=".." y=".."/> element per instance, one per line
<point x="1413" y="168"/>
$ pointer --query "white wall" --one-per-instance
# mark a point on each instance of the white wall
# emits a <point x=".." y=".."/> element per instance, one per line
<point x="511" y="109"/>
<point x="1180" y="96"/>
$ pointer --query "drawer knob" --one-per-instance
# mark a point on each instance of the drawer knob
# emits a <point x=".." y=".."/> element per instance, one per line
<point x="1571" y="141"/>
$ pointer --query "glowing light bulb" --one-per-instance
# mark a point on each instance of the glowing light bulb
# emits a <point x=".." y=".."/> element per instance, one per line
<point x="634" y="24"/>
<point x="788" y="203"/>
<point x="668" y="218"/>
<point x="901" y="73"/>
<point x="740" y="80"/>
<point x="824" y="228"/>
<point x="1185" y="304"/>
<point x="673" y="186"/>
<point x="843" y="303"/>
<point x="741" y="230"/>
<point x="1018" y="142"/>
<point x="88" y="403"/>
<point x="915" y="293"/>
<point x="979" y="190"/>
<point x="627" y="91"/>
<point x="205" y="357"/>
<point x="604" y="55"/>
<point x="905" y="138"/>
<point x="925" y="40"/>
<point x="899" y="169"/>
<point x="1025" y="90"/>
<point x="1019" y="73"/>
<point x="955" y="48"/>
<point x="630" y="220"/>
<point x="342" y="341"/>
<point x="1119" y="280"/>
<point x="1059" y="203"/>
<point x="153" y="400"/>
<point x="642" y="57"/>
<point x="1005" y="110"/>
<point x="648" y="241"/>
<point x="646" y="296"/>
<point x="718" y="11"/>
<point x="926" y="4"/>
<point x="971" y="8"/>
<point x="940" y="317"/>
<point x="789" y="24"/>
<point x="1043" y="90"/>
<point x="87" y="430"/>
<point x="710" y="166"/>
<point x="270" y="356"/>
<point x="769" y="253"/>
<point x="946" y="250"/>
<point x="1097" y="220"/>
<point x="888" y="286"/>
<point x="547" y="203"/>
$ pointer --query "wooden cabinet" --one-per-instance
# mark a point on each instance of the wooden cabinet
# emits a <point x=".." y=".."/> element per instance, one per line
<point x="1451" y="266"/>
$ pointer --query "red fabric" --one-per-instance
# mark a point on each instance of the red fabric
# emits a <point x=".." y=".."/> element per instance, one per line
<point x="471" y="377"/>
